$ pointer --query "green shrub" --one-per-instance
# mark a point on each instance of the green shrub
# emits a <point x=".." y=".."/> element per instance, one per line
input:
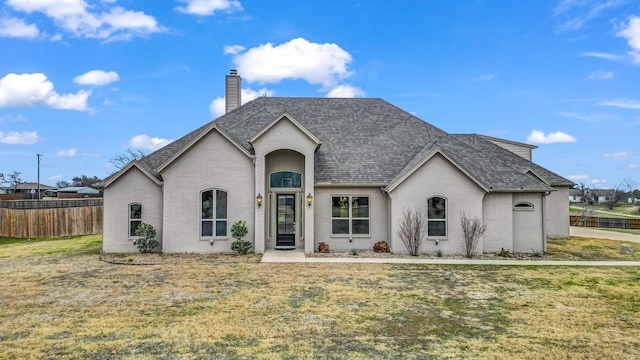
<point x="146" y="241"/>
<point x="238" y="232"/>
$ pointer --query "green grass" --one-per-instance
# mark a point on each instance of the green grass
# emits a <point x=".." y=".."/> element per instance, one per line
<point x="601" y="210"/>
<point x="61" y="301"/>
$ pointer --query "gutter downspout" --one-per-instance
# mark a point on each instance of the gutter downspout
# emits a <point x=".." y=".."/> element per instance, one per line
<point x="544" y="221"/>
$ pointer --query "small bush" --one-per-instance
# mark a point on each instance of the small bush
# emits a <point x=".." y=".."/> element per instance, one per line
<point x="238" y="232"/>
<point x="504" y="253"/>
<point x="381" y="247"/>
<point x="146" y="241"/>
<point x="354" y="252"/>
<point x="323" y="247"/>
<point x="439" y="253"/>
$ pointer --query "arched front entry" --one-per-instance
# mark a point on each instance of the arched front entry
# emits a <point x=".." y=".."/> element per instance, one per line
<point x="284" y="205"/>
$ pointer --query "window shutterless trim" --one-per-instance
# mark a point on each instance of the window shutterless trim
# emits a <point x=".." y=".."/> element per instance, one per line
<point x="209" y="214"/>
<point x="350" y="218"/>
<point x="445" y="220"/>
<point x="132" y="219"/>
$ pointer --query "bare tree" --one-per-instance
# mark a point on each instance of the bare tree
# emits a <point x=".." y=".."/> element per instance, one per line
<point x="84" y="180"/>
<point x="613" y="197"/>
<point x="586" y="194"/>
<point x="11" y="180"/>
<point x="412" y="229"/>
<point x="473" y="229"/>
<point x="63" y="184"/>
<point x="121" y="160"/>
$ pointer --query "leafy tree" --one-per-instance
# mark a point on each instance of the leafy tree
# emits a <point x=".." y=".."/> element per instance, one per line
<point x="121" y="160"/>
<point x="11" y="180"/>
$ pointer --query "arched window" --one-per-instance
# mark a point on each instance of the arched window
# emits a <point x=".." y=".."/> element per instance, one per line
<point x="285" y="179"/>
<point x="135" y="218"/>
<point x="213" y="222"/>
<point x="437" y="217"/>
<point x="523" y="206"/>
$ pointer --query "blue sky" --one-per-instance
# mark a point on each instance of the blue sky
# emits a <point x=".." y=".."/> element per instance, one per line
<point x="81" y="81"/>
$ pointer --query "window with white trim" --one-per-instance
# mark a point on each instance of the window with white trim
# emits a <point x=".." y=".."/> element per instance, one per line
<point x="350" y="215"/>
<point x="213" y="222"/>
<point x="135" y="218"/>
<point x="437" y="217"/>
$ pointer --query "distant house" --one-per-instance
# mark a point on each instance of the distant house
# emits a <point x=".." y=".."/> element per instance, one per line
<point x="575" y="196"/>
<point x="28" y="190"/>
<point x="77" y="191"/>
<point x="301" y="171"/>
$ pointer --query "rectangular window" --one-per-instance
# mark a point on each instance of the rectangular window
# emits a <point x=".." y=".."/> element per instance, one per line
<point x="437" y="217"/>
<point x="135" y="218"/>
<point x="210" y="225"/>
<point x="350" y="215"/>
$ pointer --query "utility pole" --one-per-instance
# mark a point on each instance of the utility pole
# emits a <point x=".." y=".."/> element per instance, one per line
<point x="39" y="156"/>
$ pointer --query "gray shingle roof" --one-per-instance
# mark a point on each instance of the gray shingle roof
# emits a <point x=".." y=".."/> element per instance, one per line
<point x="370" y="141"/>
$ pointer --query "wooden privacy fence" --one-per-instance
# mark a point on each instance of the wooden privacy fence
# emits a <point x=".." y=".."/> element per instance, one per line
<point x="602" y="222"/>
<point x="19" y="223"/>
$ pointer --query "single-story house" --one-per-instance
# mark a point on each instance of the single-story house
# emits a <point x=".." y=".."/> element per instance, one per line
<point x="77" y="191"/>
<point x="301" y="171"/>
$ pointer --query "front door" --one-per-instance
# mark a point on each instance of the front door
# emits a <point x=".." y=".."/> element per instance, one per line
<point x="286" y="221"/>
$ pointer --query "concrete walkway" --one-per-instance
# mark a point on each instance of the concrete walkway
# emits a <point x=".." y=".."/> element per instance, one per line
<point x="298" y="256"/>
<point x="603" y="234"/>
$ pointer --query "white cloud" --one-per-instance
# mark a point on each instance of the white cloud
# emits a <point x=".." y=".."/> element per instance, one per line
<point x="598" y="182"/>
<point x="145" y="142"/>
<point x="622" y="103"/>
<point x="55" y="177"/>
<point x="600" y="75"/>
<point x="17" y="28"/>
<point x="539" y="137"/>
<point x="217" y="105"/>
<point x="23" y="138"/>
<point x="83" y="20"/>
<point x="579" y="12"/>
<point x="96" y="77"/>
<point x="27" y="90"/>
<point x="323" y="64"/>
<point x="600" y="55"/>
<point x="345" y="91"/>
<point x="633" y="166"/>
<point x="620" y="155"/>
<point x="485" y="77"/>
<point x="580" y="177"/>
<point x="233" y="49"/>
<point x="67" y="153"/>
<point x="209" y="7"/>
<point x="631" y="32"/>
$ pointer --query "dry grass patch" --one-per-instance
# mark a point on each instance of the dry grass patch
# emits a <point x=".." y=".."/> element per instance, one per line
<point x="203" y="306"/>
<point x="579" y="248"/>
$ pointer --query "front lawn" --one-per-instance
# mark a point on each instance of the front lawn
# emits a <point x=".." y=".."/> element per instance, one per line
<point x="60" y="301"/>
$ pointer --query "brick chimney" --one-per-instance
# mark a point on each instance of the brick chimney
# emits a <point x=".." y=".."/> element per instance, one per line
<point x="232" y="91"/>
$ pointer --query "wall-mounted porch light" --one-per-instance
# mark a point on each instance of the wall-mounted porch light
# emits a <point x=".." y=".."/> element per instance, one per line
<point x="259" y="200"/>
<point x="309" y="199"/>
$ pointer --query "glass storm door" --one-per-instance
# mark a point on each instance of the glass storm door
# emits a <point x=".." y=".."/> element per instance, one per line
<point x="286" y="220"/>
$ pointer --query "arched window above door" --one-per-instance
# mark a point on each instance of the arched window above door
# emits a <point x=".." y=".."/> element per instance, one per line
<point x="285" y="179"/>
